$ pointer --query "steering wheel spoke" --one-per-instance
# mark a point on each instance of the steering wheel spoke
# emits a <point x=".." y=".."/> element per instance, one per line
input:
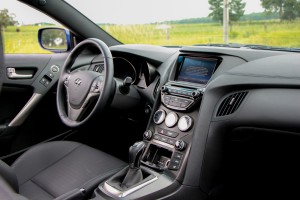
<point x="75" y="114"/>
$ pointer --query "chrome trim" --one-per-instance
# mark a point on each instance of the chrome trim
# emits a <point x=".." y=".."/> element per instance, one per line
<point x="163" y="143"/>
<point x="119" y="193"/>
<point x="26" y="110"/>
<point x="11" y="73"/>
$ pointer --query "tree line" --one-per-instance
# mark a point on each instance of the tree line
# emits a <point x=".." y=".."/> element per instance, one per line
<point x="286" y="9"/>
<point x="6" y="19"/>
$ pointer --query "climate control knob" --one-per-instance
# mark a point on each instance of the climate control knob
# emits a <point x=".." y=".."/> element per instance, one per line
<point x="171" y="119"/>
<point x="159" y="116"/>
<point x="180" y="145"/>
<point x="147" y="135"/>
<point x="185" y="123"/>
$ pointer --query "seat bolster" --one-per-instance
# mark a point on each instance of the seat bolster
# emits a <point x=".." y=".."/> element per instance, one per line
<point x="7" y="193"/>
<point x="7" y="173"/>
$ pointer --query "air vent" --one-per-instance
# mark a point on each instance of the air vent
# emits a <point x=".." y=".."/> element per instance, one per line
<point x="156" y="88"/>
<point x="99" y="68"/>
<point x="231" y="104"/>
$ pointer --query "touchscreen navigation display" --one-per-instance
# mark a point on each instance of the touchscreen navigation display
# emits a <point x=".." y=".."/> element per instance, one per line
<point x="195" y="70"/>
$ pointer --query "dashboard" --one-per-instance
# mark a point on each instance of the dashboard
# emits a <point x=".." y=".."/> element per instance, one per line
<point x="202" y="102"/>
<point x="204" y="95"/>
<point x="213" y="117"/>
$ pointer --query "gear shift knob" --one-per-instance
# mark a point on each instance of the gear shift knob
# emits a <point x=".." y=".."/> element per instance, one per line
<point x="135" y="153"/>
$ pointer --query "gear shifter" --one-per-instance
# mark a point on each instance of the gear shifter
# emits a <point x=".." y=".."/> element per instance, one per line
<point x="134" y="173"/>
<point x="132" y="176"/>
<point x="135" y="153"/>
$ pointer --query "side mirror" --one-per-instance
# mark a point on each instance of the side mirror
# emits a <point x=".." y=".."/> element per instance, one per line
<point x="56" y="40"/>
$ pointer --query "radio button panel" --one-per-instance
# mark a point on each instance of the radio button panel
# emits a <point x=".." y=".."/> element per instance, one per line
<point x="180" y="98"/>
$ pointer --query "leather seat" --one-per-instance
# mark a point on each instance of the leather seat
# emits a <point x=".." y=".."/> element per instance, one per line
<point x="61" y="169"/>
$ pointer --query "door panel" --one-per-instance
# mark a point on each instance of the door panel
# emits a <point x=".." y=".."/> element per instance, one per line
<point x="28" y="104"/>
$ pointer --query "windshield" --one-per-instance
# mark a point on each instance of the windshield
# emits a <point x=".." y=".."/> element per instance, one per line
<point x="260" y="24"/>
<point x="194" y="22"/>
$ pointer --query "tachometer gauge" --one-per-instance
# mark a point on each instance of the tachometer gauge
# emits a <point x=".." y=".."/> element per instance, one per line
<point x="123" y="68"/>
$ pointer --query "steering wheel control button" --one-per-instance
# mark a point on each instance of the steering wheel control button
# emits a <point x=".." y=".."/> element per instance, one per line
<point x="159" y="116"/>
<point x="180" y="145"/>
<point x="66" y="81"/>
<point x="147" y="135"/>
<point x="96" y="86"/>
<point x="185" y="123"/>
<point x="171" y="119"/>
<point x="54" y="68"/>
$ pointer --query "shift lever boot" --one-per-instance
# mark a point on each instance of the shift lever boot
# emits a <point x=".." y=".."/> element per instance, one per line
<point x="134" y="173"/>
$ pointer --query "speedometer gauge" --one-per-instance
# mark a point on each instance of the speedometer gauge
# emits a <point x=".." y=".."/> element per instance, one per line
<point x="123" y="68"/>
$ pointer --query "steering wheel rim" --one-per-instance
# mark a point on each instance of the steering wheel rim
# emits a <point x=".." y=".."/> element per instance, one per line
<point x="76" y="89"/>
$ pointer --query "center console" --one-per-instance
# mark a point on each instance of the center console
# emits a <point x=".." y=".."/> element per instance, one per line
<point x="168" y="136"/>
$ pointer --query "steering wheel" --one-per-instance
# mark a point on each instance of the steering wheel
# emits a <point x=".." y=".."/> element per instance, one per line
<point x="77" y="89"/>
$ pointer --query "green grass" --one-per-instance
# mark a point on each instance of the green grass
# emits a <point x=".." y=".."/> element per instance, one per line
<point x="24" y="41"/>
<point x="272" y="33"/>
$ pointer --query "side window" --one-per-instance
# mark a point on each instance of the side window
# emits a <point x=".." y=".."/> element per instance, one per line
<point x="19" y="24"/>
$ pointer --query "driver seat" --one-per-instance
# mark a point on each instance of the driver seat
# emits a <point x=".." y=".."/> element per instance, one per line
<point x="59" y="170"/>
<point x="55" y="170"/>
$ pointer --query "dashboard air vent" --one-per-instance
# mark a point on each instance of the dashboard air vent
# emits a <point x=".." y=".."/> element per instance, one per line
<point x="99" y="68"/>
<point x="231" y="104"/>
<point x="156" y="88"/>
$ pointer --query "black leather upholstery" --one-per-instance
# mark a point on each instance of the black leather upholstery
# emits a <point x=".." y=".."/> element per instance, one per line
<point x="52" y="169"/>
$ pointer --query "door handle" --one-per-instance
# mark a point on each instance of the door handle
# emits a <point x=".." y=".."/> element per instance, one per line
<point x="11" y="73"/>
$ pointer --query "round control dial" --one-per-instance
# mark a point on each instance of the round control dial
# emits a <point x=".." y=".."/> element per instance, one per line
<point x="159" y="116"/>
<point x="171" y="119"/>
<point x="185" y="123"/>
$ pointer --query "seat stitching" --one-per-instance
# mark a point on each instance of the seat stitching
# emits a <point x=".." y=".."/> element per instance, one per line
<point x="42" y="188"/>
<point x="51" y="164"/>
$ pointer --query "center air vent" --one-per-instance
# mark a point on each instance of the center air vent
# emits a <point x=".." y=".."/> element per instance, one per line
<point x="230" y="104"/>
<point x="99" y="68"/>
<point x="156" y="88"/>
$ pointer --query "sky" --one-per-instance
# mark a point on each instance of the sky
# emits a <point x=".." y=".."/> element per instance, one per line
<point x="125" y="12"/>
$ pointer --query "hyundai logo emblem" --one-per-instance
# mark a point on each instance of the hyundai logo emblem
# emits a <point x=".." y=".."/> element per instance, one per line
<point x="78" y="81"/>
